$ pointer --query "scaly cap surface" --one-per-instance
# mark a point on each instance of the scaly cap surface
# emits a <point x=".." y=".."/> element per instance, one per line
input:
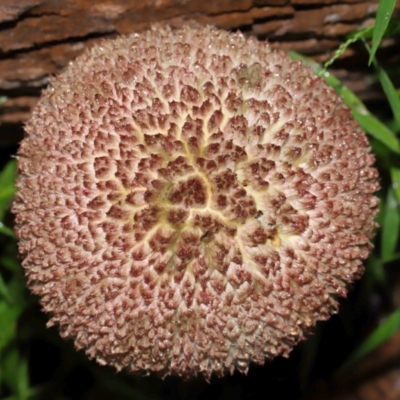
<point x="191" y="201"/>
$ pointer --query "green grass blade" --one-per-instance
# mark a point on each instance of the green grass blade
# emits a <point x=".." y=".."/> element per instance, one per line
<point x="388" y="87"/>
<point x="16" y="374"/>
<point x="39" y="392"/>
<point x="390" y="226"/>
<point x="379" y="336"/>
<point x="376" y="129"/>
<point x="5" y="230"/>
<point x="367" y="120"/>
<point x="7" y="186"/>
<point x="383" y="15"/>
<point x="354" y="37"/>
<point x="10" y="263"/>
<point x="390" y="92"/>
<point x="394" y="257"/>
<point x="4" y="292"/>
<point x="22" y="374"/>
<point x="363" y="34"/>
<point x="9" y="315"/>
<point x="395" y="175"/>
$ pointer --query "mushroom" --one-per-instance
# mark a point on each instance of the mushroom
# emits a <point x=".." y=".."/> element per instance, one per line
<point x="191" y="201"/>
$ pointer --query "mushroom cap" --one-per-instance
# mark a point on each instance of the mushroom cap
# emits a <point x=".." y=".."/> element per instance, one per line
<point x="190" y="201"/>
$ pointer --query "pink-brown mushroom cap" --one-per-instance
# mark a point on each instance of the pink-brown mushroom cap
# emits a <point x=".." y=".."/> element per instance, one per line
<point x="190" y="201"/>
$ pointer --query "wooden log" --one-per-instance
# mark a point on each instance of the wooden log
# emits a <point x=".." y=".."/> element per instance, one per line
<point x="39" y="37"/>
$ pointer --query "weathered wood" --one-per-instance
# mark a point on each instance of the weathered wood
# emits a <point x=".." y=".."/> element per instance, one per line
<point x="39" y="37"/>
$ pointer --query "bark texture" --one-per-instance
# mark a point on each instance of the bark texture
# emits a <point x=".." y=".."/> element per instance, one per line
<point x="39" y="37"/>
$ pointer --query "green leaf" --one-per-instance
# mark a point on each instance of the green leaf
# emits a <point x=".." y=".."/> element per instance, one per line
<point x="367" y="120"/>
<point x="354" y="37"/>
<point x="383" y="15"/>
<point x="15" y="372"/>
<point x="5" y="230"/>
<point x="388" y="88"/>
<point x="395" y="175"/>
<point x="390" y="92"/>
<point x="37" y="393"/>
<point x="375" y="128"/>
<point x="23" y="379"/>
<point x="4" y="292"/>
<point x="393" y="257"/>
<point x="379" y="336"/>
<point x="17" y="289"/>
<point x="9" y="366"/>
<point x="390" y="226"/>
<point x="363" y="34"/>
<point x="7" y="186"/>
<point x="11" y="263"/>
<point x="9" y="315"/>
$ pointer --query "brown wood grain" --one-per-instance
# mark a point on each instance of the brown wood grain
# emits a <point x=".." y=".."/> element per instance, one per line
<point x="39" y="37"/>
